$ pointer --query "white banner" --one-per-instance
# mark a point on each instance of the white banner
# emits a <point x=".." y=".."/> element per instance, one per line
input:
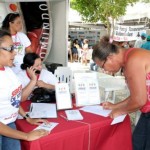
<point x="127" y="33"/>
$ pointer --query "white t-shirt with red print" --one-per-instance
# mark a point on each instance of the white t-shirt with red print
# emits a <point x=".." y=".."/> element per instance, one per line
<point x="21" y="42"/>
<point x="10" y="95"/>
<point x="45" y="76"/>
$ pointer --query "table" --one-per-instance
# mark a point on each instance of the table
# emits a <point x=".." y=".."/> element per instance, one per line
<point x="95" y="133"/>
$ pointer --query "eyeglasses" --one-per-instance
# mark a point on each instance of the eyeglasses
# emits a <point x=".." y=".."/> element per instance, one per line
<point x="9" y="49"/>
<point x="104" y="63"/>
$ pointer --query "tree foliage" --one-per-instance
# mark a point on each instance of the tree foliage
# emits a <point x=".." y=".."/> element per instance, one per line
<point x="103" y="10"/>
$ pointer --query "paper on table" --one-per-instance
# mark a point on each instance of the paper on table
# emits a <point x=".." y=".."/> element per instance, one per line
<point x="73" y="115"/>
<point x="47" y="127"/>
<point x="43" y="110"/>
<point x="118" y="119"/>
<point x="96" y="109"/>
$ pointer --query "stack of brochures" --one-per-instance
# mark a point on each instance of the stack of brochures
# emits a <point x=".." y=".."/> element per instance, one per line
<point x="73" y="115"/>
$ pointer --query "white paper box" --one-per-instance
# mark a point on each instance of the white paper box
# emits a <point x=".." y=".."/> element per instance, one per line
<point x="63" y="96"/>
<point x="86" y="89"/>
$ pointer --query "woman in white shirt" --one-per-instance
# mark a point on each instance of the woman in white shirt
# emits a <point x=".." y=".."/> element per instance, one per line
<point x="10" y="96"/>
<point x="85" y="51"/>
<point x="33" y="76"/>
<point x="13" y="24"/>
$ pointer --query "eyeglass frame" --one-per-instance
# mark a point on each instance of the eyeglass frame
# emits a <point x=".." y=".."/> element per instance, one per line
<point x="8" y="49"/>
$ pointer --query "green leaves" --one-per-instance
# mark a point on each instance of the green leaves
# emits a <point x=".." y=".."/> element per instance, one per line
<point x="103" y="10"/>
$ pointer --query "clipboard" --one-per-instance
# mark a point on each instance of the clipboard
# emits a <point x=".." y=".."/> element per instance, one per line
<point x="43" y="110"/>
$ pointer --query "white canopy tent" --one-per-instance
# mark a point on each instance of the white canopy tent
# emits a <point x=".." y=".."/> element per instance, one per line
<point x="75" y="21"/>
<point x="74" y="16"/>
<point x="137" y="11"/>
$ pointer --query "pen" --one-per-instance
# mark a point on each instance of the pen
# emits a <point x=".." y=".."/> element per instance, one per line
<point x="64" y="117"/>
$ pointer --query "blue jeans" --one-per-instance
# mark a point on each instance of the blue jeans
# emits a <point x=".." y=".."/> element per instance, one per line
<point x="141" y="134"/>
<point x="7" y="143"/>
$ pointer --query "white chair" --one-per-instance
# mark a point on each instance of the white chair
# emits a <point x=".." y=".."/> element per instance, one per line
<point x="64" y="75"/>
<point x="111" y="84"/>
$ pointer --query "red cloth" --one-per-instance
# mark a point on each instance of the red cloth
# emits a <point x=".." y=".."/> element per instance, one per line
<point x="71" y="135"/>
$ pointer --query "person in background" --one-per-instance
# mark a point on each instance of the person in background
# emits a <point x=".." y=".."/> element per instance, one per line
<point x="112" y="58"/>
<point x="142" y="40"/>
<point x="75" y="47"/>
<point x="10" y="96"/>
<point x="35" y="38"/>
<point x="69" y="47"/>
<point x="131" y="44"/>
<point x="146" y="45"/>
<point x="85" y="51"/>
<point x="81" y="43"/>
<point x="32" y="75"/>
<point x="13" y="24"/>
<point x="93" y="66"/>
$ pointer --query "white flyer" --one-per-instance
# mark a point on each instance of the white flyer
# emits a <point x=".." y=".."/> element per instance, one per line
<point x="81" y="93"/>
<point x="118" y="119"/>
<point x="93" y="92"/>
<point x="96" y="109"/>
<point x="63" y="96"/>
<point x="47" y="126"/>
<point x="86" y="89"/>
<point x="73" y="115"/>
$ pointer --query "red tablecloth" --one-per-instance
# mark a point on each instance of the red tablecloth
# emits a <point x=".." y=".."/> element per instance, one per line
<point x="95" y="133"/>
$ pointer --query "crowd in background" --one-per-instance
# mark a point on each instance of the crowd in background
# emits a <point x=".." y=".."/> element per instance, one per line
<point x="79" y="50"/>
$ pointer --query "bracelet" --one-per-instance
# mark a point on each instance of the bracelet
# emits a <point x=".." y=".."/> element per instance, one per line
<point x="26" y="116"/>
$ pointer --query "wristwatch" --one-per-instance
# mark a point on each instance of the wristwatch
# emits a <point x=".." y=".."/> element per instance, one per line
<point x="26" y="116"/>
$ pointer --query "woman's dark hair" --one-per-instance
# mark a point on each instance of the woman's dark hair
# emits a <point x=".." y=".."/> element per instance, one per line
<point x="3" y="33"/>
<point x="29" y="60"/>
<point x="9" y="18"/>
<point x="103" y="49"/>
<point x="75" y="41"/>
